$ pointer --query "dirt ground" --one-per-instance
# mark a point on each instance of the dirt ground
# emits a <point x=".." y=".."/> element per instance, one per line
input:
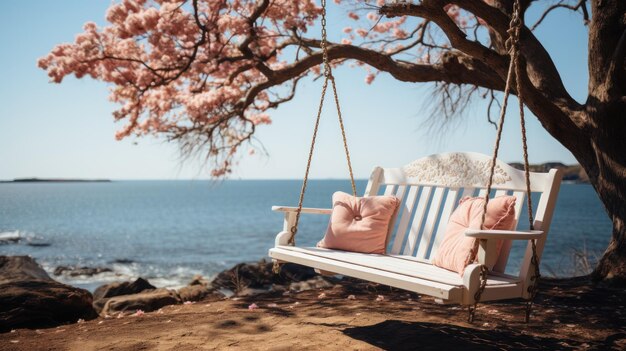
<point x="569" y="314"/>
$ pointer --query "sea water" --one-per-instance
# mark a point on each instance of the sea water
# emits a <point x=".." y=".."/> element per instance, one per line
<point x="169" y="231"/>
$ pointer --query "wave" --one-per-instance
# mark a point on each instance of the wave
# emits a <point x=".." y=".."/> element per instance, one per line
<point x="10" y="237"/>
<point x="161" y="277"/>
<point x="22" y="237"/>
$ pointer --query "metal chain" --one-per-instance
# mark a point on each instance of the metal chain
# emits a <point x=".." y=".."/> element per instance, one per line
<point x="328" y="76"/>
<point x="512" y="45"/>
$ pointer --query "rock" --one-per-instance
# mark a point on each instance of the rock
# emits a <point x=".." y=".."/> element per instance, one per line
<point x="260" y="276"/>
<point x="123" y="261"/>
<point x="29" y="298"/>
<point x="10" y="237"/>
<point x="199" y="280"/>
<point x="76" y="271"/>
<point x="146" y="301"/>
<point x="317" y="282"/>
<point x="194" y="292"/>
<point x="104" y="292"/>
<point x="122" y="288"/>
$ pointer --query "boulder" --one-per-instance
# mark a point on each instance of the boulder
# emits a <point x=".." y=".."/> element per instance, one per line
<point x="260" y="276"/>
<point x="194" y="293"/>
<point x="76" y="271"/>
<point x="150" y="300"/>
<point x="104" y="292"/>
<point x="29" y="298"/>
<point x="199" y="280"/>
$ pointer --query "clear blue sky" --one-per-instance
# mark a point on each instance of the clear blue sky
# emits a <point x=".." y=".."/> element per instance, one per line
<point x="49" y="130"/>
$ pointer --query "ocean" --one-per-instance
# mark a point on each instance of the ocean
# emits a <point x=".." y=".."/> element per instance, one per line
<point x="169" y="231"/>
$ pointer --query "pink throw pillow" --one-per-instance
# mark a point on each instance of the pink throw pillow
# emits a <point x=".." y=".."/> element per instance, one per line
<point x="455" y="251"/>
<point x="360" y="224"/>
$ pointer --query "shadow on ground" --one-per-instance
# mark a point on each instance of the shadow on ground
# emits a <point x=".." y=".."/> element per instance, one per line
<point x="403" y="335"/>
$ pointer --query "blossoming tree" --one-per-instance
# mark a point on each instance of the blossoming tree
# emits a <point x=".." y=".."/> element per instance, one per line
<point x="206" y="72"/>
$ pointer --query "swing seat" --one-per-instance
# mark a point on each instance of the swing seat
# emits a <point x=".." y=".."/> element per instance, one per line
<point x="430" y="189"/>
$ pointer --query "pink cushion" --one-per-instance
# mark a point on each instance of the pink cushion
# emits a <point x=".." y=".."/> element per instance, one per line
<point x="360" y="224"/>
<point x="455" y="251"/>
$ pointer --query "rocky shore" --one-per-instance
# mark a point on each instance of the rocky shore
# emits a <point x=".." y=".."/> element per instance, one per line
<point x="248" y="307"/>
<point x="30" y="298"/>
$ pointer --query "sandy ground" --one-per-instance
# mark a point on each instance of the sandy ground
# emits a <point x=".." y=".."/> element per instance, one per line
<point x="568" y="315"/>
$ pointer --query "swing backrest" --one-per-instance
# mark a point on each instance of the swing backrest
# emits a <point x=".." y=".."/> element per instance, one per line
<point x="430" y="189"/>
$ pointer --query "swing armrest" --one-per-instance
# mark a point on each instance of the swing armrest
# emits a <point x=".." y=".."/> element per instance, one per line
<point x="504" y="234"/>
<point x="304" y="209"/>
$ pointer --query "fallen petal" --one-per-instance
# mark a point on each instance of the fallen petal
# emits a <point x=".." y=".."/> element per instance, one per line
<point x="139" y="313"/>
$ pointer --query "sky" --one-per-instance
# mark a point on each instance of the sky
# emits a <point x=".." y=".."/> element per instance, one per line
<point x="67" y="130"/>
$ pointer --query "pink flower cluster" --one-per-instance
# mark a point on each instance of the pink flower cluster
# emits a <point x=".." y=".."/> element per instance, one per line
<point x="199" y="75"/>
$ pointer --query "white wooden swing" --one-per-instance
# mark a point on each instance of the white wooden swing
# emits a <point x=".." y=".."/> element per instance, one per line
<point x="429" y="190"/>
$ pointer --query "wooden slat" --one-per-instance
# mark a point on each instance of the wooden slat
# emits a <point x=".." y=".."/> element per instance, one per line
<point x="400" y="191"/>
<point x="374" y="182"/>
<point x="405" y="217"/>
<point x="468" y="191"/>
<point x="520" y="198"/>
<point x="451" y="200"/>
<point x="391" y="263"/>
<point x="500" y="193"/>
<point x="389" y="189"/>
<point x="417" y="285"/>
<point x="431" y="220"/>
<point x="503" y="258"/>
<point x="416" y="224"/>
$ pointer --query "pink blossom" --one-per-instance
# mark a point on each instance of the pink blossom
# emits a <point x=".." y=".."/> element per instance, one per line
<point x="400" y="33"/>
<point x="380" y="298"/>
<point x="138" y="313"/>
<point x="372" y="16"/>
<point x="168" y="82"/>
<point x="253" y="306"/>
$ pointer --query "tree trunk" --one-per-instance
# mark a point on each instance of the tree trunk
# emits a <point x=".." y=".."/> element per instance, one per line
<point x="606" y="167"/>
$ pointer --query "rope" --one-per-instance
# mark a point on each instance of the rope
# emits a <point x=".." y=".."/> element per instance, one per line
<point x="514" y="68"/>
<point x="328" y="76"/>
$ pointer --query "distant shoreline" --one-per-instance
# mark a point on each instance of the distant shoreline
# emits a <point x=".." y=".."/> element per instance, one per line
<point x="55" y="180"/>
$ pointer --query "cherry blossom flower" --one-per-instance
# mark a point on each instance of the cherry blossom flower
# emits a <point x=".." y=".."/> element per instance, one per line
<point x="177" y="69"/>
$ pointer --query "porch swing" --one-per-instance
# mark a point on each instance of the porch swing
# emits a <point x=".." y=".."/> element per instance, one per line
<point x="428" y="190"/>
